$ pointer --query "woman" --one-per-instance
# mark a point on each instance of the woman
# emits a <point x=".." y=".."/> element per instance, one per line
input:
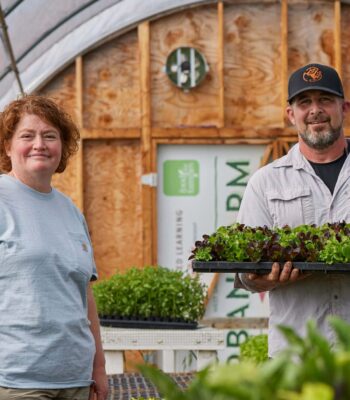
<point x="50" y="346"/>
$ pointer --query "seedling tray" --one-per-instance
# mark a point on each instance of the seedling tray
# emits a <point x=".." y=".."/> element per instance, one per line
<point x="265" y="267"/>
<point x="147" y="324"/>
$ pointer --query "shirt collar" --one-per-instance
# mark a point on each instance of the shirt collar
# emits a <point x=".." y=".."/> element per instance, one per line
<point x="293" y="158"/>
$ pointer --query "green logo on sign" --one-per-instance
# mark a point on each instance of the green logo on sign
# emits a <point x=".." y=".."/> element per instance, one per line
<point x="181" y="177"/>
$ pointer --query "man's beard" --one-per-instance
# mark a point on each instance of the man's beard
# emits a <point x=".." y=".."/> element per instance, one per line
<point x="322" y="139"/>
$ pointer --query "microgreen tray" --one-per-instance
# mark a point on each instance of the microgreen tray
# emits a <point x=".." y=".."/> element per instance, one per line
<point x="265" y="267"/>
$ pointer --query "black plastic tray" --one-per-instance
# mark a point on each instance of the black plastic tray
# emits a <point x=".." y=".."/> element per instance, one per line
<point x="265" y="267"/>
<point x="147" y="324"/>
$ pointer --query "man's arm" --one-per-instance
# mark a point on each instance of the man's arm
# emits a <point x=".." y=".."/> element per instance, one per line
<point x="254" y="211"/>
<point x="99" y="390"/>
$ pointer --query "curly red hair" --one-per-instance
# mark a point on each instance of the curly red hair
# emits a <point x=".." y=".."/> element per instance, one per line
<point x="49" y="111"/>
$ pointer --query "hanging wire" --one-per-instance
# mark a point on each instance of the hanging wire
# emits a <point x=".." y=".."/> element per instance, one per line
<point x="9" y="50"/>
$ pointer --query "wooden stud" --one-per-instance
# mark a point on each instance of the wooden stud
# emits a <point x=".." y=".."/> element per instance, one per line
<point x="236" y="323"/>
<point x="285" y="146"/>
<point x="80" y="176"/>
<point x="221" y="124"/>
<point x="147" y="206"/>
<point x="110" y="133"/>
<point x="237" y="2"/>
<point x="284" y="57"/>
<point x="267" y="155"/>
<point x="212" y="286"/>
<point x="79" y="108"/>
<point x="337" y="36"/>
<point x="154" y="163"/>
<point x="275" y="150"/>
<point x="239" y="132"/>
<point x="79" y="89"/>
<point x="212" y="141"/>
<point x="221" y="38"/>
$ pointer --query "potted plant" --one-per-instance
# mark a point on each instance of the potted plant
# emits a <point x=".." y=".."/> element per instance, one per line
<point x="308" y="369"/>
<point x="152" y="296"/>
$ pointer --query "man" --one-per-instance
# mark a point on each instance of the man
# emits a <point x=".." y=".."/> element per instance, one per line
<point x="310" y="185"/>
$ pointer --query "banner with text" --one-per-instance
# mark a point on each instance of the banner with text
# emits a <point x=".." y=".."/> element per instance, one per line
<point x="200" y="188"/>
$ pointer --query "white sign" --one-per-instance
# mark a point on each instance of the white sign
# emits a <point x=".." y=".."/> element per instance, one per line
<point x="200" y="188"/>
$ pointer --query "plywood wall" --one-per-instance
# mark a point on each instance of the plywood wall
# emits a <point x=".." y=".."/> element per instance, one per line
<point x="111" y="84"/>
<point x="252" y="65"/>
<point x="112" y="202"/>
<point x="170" y="106"/>
<point x="125" y="104"/>
<point x="311" y="34"/>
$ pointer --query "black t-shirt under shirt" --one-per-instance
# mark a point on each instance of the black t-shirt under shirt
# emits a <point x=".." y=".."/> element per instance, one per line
<point x="329" y="172"/>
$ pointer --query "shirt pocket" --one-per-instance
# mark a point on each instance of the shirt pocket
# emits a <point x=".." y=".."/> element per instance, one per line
<point x="291" y="206"/>
<point x="82" y="253"/>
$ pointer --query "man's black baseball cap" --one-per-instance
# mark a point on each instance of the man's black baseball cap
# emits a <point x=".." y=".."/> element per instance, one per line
<point x="314" y="77"/>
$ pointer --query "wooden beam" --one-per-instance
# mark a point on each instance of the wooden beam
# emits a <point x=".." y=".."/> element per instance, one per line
<point x="285" y="146"/>
<point x="308" y="2"/>
<point x="224" y="133"/>
<point x="275" y="150"/>
<point x="145" y="84"/>
<point x="267" y="155"/>
<point x="236" y="323"/>
<point x="212" y="141"/>
<point x="221" y="41"/>
<point x="212" y="286"/>
<point x="284" y="58"/>
<point x="79" y="90"/>
<point x="111" y="133"/>
<point x="250" y="2"/>
<point x="154" y="166"/>
<point x="337" y="37"/>
<point x="79" y="117"/>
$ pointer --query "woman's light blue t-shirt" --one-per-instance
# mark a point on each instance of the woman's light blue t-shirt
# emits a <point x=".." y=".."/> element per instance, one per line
<point x="46" y="263"/>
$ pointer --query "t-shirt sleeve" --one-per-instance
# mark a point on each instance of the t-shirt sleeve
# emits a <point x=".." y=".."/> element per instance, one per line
<point x="94" y="275"/>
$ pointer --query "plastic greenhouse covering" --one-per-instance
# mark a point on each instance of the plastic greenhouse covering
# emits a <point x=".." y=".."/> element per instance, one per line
<point x="46" y="35"/>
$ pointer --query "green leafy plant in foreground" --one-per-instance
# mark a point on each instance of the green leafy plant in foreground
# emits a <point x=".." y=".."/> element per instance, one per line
<point x="151" y="292"/>
<point x="309" y="369"/>
<point x="329" y="243"/>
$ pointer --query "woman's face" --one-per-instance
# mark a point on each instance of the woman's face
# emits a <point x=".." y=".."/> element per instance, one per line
<point x="35" y="148"/>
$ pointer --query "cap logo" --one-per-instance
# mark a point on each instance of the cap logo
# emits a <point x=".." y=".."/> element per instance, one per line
<point x="312" y="74"/>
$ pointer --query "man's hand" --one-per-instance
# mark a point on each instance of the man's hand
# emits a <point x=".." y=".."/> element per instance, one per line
<point x="277" y="277"/>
